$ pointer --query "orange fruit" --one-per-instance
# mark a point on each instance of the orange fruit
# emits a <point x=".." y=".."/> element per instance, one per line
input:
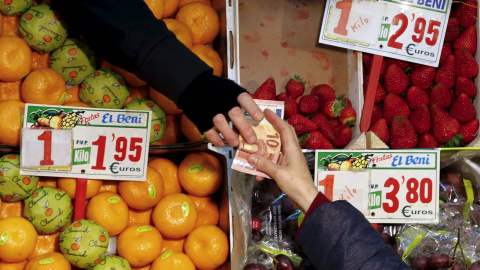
<point x="12" y="266"/>
<point x="173" y="260"/>
<point x="143" y="195"/>
<point x="40" y="60"/>
<point x="10" y="25"/>
<point x="49" y="261"/>
<point x="209" y="56"/>
<point x="157" y="7"/>
<point x="70" y="186"/>
<point x="46" y="243"/>
<point x="168" y="169"/>
<point x="129" y="77"/>
<point x="173" y="133"/>
<point x="146" y="267"/>
<point x="181" y="31"/>
<point x="109" y="210"/>
<point x="173" y="244"/>
<point x="139" y="244"/>
<point x="164" y="102"/>
<point x="10" y="90"/>
<point x="207" y="210"/>
<point x="137" y="92"/>
<point x="200" y="173"/>
<point x="18" y="239"/>
<point x="175" y="215"/>
<point x="76" y="104"/>
<point x="111" y="186"/>
<point x="171" y="7"/>
<point x="12" y="209"/>
<point x="15" y="58"/>
<point x="1" y="202"/>
<point x="47" y="181"/>
<point x="11" y="112"/>
<point x="72" y="94"/>
<point x="140" y="216"/>
<point x="184" y="2"/>
<point x="202" y="19"/>
<point x="44" y="86"/>
<point x="190" y="130"/>
<point x="207" y="246"/>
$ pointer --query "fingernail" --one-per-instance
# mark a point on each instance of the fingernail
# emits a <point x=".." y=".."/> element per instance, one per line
<point x="252" y="139"/>
<point x="253" y="159"/>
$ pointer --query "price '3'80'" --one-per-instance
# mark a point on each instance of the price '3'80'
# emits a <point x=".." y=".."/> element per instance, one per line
<point x="413" y="195"/>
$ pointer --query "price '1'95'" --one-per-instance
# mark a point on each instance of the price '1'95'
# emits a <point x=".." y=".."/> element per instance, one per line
<point x="416" y="191"/>
<point x="422" y="30"/>
<point x="121" y="148"/>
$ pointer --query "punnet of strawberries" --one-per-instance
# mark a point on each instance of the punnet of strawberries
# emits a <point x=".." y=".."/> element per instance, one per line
<point x="321" y="119"/>
<point x="426" y="107"/>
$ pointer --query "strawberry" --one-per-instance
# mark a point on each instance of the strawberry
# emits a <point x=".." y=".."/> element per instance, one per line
<point x="394" y="105"/>
<point x="323" y="125"/>
<point x="453" y="29"/>
<point x="416" y="96"/>
<point x="445" y="127"/>
<point x="427" y="140"/>
<point x="465" y="64"/>
<point x="342" y="135"/>
<point x="379" y="94"/>
<point x="440" y="96"/>
<point x="301" y="124"/>
<point x="348" y="117"/>
<point x="380" y="128"/>
<point x="446" y="72"/>
<point x="308" y="104"/>
<point x="295" y="87"/>
<point x="402" y="133"/>
<point x="402" y="64"/>
<point x="446" y="51"/>
<point x="315" y="140"/>
<point x="423" y="76"/>
<point x="323" y="92"/>
<point x="420" y="119"/>
<point x="346" y="103"/>
<point x="465" y="85"/>
<point x="377" y="114"/>
<point x="332" y="108"/>
<point x="291" y="107"/>
<point x="468" y="40"/>
<point x="466" y="13"/>
<point x="462" y="109"/>
<point x="368" y="60"/>
<point x="396" y="80"/>
<point x="281" y="96"/>
<point x="469" y="131"/>
<point x="267" y="90"/>
<point x="334" y="123"/>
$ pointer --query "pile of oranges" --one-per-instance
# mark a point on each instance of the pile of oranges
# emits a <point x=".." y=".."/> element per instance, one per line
<point x="170" y="221"/>
<point x="26" y="76"/>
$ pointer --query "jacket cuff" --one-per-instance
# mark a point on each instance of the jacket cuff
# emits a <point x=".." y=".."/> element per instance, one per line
<point x="319" y="200"/>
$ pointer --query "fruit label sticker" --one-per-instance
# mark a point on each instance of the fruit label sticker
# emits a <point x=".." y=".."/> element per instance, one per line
<point x="87" y="143"/>
<point x="387" y="186"/>
<point x="403" y="29"/>
<point x="46" y="261"/>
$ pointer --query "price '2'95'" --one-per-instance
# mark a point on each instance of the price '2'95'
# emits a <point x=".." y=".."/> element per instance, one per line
<point x="120" y="147"/>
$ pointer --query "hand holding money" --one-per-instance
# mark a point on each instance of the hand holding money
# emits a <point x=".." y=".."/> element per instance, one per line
<point x="268" y="142"/>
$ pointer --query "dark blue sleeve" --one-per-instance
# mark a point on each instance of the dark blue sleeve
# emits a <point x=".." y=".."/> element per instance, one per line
<point x="335" y="235"/>
<point x="127" y="34"/>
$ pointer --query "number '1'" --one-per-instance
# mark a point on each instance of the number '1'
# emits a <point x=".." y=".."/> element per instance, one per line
<point x="46" y="136"/>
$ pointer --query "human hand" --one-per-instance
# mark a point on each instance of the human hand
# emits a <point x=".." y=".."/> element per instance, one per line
<point x="239" y="120"/>
<point x="291" y="172"/>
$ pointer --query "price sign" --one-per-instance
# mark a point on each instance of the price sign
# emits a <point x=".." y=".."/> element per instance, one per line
<point x="85" y="142"/>
<point x="402" y="186"/>
<point x="411" y="30"/>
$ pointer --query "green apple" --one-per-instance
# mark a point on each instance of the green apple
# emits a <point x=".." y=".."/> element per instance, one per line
<point x="74" y="60"/>
<point x="104" y="88"/>
<point x="84" y="243"/>
<point x="112" y="262"/>
<point x="42" y="28"/>
<point x="49" y="209"/>
<point x="158" y="116"/>
<point x="12" y="7"/>
<point x="13" y="185"/>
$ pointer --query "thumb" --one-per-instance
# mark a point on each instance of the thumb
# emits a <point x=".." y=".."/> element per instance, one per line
<point x="263" y="164"/>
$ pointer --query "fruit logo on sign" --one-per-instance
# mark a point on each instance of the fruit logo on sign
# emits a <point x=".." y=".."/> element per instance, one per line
<point x="56" y="119"/>
<point x="343" y="162"/>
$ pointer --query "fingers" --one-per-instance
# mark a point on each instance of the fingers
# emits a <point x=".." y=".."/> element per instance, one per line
<point x="213" y="137"/>
<point x="223" y="127"/>
<point x="241" y="123"/>
<point x="247" y="103"/>
<point x="287" y="133"/>
<point x="264" y="163"/>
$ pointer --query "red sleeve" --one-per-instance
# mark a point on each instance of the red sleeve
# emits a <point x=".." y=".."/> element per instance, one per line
<point x="319" y="200"/>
